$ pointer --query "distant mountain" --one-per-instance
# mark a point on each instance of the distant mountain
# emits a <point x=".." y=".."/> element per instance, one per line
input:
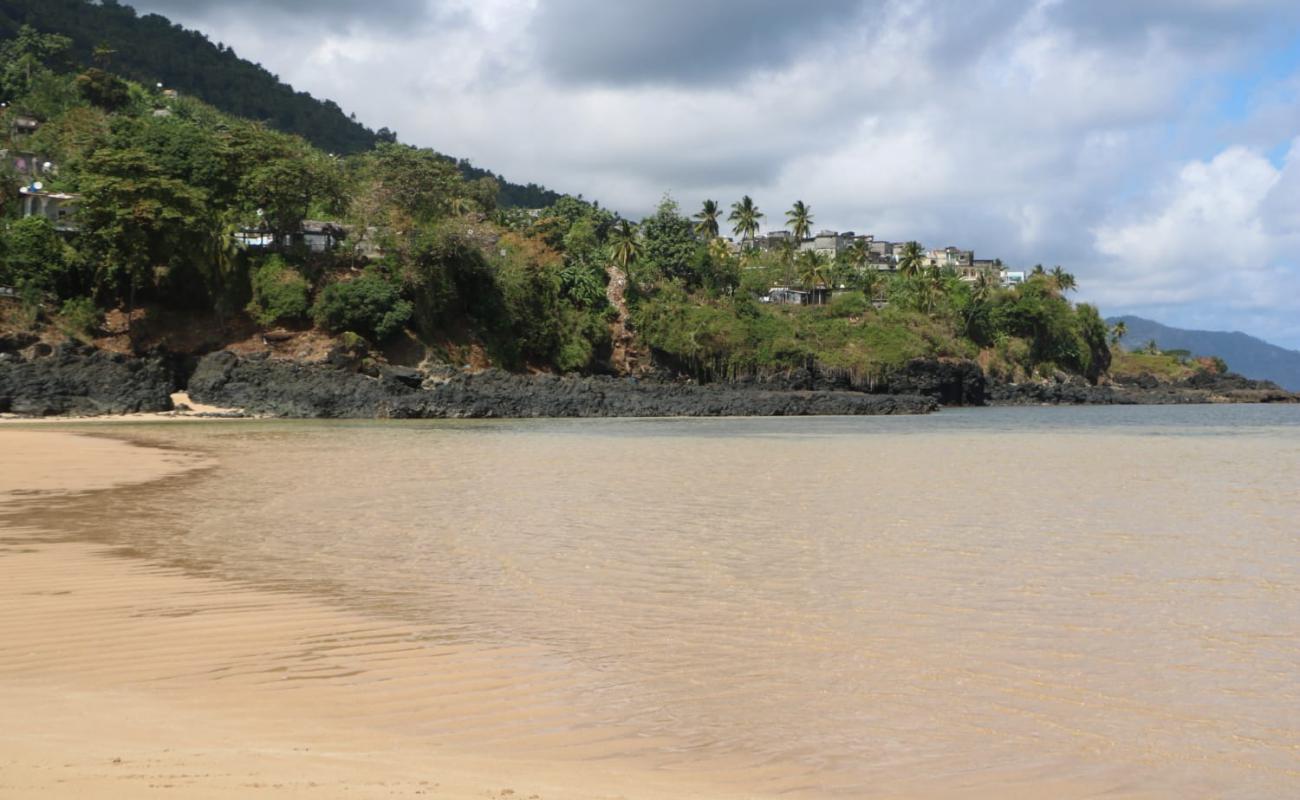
<point x="1254" y="358"/>
<point x="150" y="48"/>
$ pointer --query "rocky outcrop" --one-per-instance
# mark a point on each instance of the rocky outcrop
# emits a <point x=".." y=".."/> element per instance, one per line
<point x="949" y="382"/>
<point x="73" y="380"/>
<point x="1142" y="390"/>
<point x="279" y="388"/>
<point x="952" y="382"/>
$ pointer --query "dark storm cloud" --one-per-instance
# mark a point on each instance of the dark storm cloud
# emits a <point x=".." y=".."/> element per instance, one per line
<point x="382" y="13"/>
<point x="685" y="42"/>
<point x="1185" y="21"/>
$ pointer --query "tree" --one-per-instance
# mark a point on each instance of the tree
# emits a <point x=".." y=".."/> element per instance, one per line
<point x="912" y="262"/>
<point x="813" y="270"/>
<point x="871" y="282"/>
<point x="1118" y="333"/>
<point x="855" y="256"/>
<point x="1064" y="281"/>
<point x="135" y="220"/>
<point x="746" y="217"/>
<point x="35" y="255"/>
<point x="669" y="244"/>
<point x="23" y="59"/>
<point x="707" y="227"/>
<point x="369" y="306"/>
<point x="981" y="291"/>
<point x="286" y="189"/>
<point x="420" y="185"/>
<point x="581" y="283"/>
<point x="279" y="293"/>
<point x="624" y="245"/>
<point x="800" y="220"/>
<point x="103" y="89"/>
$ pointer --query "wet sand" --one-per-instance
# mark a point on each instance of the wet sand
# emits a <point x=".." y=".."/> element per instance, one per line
<point x="123" y="678"/>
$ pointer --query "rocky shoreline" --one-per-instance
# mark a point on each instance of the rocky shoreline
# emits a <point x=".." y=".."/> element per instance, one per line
<point x="1144" y="390"/>
<point x="73" y="380"/>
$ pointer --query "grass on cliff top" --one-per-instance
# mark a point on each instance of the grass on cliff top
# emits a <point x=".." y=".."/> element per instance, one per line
<point x="725" y="338"/>
<point x="1166" y="367"/>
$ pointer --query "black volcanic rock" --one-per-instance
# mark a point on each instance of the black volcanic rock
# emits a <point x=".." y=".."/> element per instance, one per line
<point x="287" y="389"/>
<point x="1145" y="389"/>
<point x="950" y="382"/>
<point x="75" y="380"/>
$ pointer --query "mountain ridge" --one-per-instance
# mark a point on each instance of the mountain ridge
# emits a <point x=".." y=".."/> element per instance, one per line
<point x="150" y="48"/>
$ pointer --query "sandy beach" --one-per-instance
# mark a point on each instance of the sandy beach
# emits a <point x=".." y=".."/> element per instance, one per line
<point x="123" y="678"/>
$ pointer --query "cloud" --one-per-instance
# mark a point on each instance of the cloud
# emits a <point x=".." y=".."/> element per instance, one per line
<point x="681" y="41"/>
<point x="310" y="12"/>
<point x="1223" y="234"/>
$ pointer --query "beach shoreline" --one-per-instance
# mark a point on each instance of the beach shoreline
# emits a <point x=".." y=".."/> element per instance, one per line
<point x="121" y="677"/>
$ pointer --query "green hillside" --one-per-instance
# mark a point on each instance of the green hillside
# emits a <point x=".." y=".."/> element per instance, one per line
<point x="150" y="49"/>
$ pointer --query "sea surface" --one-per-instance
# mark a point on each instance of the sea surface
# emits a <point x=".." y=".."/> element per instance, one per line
<point x="985" y="602"/>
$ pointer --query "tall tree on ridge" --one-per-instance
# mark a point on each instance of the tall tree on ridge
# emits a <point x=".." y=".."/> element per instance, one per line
<point x="624" y="244"/>
<point x="707" y="227"/>
<point x="1064" y="281"/>
<point x="800" y="220"/>
<point x="746" y="217"/>
<point x="912" y="262"/>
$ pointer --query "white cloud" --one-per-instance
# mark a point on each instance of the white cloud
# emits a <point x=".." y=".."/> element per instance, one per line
<point x="1223" y="235"/>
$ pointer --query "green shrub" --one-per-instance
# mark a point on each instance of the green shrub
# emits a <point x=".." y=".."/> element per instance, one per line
<point x="279" y="293"/>
<point x="368" y="305"/>
<point x="36" y="255"/>
<point x="79" y="318"/>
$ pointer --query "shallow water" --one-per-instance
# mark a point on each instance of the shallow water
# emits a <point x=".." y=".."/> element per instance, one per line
<point x="1060" y="602"/>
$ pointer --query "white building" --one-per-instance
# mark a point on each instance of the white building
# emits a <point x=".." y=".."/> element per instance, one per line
<point x="60" y="209"/>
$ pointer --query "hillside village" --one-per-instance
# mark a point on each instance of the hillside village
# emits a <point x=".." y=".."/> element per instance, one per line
<point x="37" y="173"/>
<point x="873" y="254"/>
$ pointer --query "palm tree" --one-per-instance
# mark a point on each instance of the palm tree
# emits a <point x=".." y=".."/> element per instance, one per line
<point x="980" y="293"/>
<point x="1064" y="281"/>
<point x="871" y="282"/>
<point x="800" y="220"/>
<point x="912" y="262"/>
<point x="459" y="206"/>
<point x="1118" y="333"/>
<point x="624" y="244"/>
<point x="581" y="283"/>
<point x="813" y="270"/>
<point x="707" y="227"/>
<point x="745" y="215"/>
<point x="856" y="255"/>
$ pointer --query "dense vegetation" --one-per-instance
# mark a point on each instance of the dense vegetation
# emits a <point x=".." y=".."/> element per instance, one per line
<point x="150" y="49"/>
<point x="169" y="185"/>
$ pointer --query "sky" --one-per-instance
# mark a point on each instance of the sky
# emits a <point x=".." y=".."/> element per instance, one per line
<point x="1151" y="147"/>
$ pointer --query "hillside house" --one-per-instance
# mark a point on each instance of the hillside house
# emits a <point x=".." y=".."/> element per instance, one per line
<point x="1012" y="278"/>
<point x="315" y="235"/>
<point x="828" y="244"/>
<point x="23" y="125"/>
<point x="950" y="258"/>
<point x="788" y="296"/>
<point x="60" y="209"/>
<point x="27" y="164"/>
